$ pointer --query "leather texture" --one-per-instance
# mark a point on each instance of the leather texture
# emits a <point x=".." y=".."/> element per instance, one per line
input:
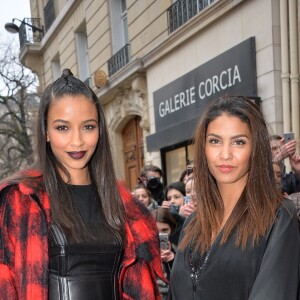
<point x="82" y="271"/>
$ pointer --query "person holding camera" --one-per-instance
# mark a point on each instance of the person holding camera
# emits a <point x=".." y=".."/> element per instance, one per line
<point x="167" y="225"/>
<point x="189" y="201"/>
<point x="68" y="228"/>
<point x="151" y="176"/>
<point x="174" y="196"/>
<point x="177" y="200"/>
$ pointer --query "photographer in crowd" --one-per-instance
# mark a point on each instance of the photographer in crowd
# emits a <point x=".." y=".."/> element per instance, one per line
<point x="151" y="176"/>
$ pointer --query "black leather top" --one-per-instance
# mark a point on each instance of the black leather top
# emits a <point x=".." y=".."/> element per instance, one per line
<point x="87" y="269"/>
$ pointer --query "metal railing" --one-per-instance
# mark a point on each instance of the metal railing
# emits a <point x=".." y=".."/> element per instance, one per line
<point x="29" y="34"/>
<point x="49" y="14"/>
<point x="118" y="60"/>
<point x="183" y="10"/>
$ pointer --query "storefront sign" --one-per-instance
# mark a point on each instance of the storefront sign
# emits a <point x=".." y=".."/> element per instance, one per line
<point x="232" y="73"/>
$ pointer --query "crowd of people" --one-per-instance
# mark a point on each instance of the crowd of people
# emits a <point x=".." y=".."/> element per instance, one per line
<point x="226" y="140"/>
<point x="227" y="229"/>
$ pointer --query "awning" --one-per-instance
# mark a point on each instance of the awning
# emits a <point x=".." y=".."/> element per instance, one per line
<point x="172" y="135"/>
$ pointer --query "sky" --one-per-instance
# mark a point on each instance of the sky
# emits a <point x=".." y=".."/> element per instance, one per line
<point x="19" y="9"/>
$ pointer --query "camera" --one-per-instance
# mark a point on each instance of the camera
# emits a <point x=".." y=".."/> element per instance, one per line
<point x="153" y="183"/>
<point x="189" y="171"/>
<point x="164" y="239"/>
<point x="187" y="199"/>
<point x="174" y="209"/>
<point x="155" y="186"/>
<point x="289" y="136"/>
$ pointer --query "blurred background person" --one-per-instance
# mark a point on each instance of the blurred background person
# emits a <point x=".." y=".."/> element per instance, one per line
<point x="295" y="197"/>
<point x="183" y="176"/>
<point x="189" y="200"/>
<point x="177" y="200"/>
<point x="281" y="151"/>
<point x="174" y="196"/>
<point x="277" y="168"/>
<point x="187" y="172"/>
<point x="152" y="176"/>
<point x="168" y="224"/>
<point x="144" y="196"/>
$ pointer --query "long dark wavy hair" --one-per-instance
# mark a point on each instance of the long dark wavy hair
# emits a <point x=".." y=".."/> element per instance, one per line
<point x="256" y="208"/>
<point x="100" y="165"/>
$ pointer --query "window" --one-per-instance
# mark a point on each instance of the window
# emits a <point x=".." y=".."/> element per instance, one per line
<point x="55" y="66"/>
<point x="175" y="159"/>
<point x="183" y="10"/>
<point x="82" y="57"/>
<point x="49" y="14"/>
<point x="119" y="24"/>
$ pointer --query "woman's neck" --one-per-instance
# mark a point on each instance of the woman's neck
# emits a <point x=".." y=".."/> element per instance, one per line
<point x="230" y="194"/>
<point x="78" y="177"/>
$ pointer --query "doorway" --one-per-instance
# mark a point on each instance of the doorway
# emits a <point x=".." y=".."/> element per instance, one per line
<point x="133" y="151"/>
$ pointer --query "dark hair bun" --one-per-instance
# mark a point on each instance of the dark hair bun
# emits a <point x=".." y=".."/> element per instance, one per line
<point x="66" y="73"/>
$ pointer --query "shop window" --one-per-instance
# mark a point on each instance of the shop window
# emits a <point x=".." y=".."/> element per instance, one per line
<point x="175" y="160"/>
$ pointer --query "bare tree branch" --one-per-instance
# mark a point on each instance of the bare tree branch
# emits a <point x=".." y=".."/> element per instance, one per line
<point x="18" y="104"/>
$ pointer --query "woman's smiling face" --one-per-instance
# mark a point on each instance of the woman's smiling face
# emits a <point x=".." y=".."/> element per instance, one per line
<point x="73" y="133"/>
<point x="228" y="149"/>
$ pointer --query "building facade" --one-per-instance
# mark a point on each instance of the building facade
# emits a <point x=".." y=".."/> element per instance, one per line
<point x="156" y="64"/>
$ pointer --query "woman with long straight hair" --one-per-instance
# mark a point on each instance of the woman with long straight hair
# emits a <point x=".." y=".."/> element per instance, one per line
<point x="69" y="229"/>
<point x="242" y="242"/>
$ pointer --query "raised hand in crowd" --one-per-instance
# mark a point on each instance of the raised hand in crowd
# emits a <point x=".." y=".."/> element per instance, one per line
<point x="283" y="150"/>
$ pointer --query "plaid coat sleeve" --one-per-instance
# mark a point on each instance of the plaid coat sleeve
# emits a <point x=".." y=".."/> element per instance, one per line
<point x="23" y="247"/>
<point x="141" y="265"/>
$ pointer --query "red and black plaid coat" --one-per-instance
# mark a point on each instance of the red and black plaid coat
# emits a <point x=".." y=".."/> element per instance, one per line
<point x="24" y="248"/>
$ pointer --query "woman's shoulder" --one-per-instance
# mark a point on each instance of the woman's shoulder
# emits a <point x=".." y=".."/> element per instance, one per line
<point x="286" y="208"/>
<point x="21" y="185"/>
<point x="286" y="215"/>
<point x="26" y="181"/>
<point x="189" y="219"/>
